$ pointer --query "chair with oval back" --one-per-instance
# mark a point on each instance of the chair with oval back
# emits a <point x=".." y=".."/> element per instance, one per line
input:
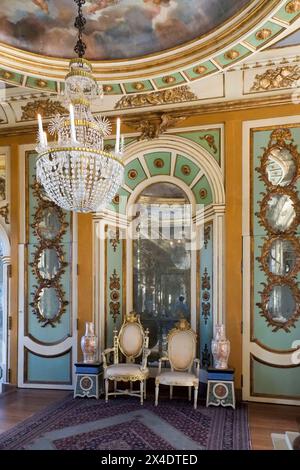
<point x="132" y="341"/>
<point x="181" y="356"/>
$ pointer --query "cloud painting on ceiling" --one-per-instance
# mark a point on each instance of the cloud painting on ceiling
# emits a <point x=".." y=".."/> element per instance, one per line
<point x="116" y="29"/>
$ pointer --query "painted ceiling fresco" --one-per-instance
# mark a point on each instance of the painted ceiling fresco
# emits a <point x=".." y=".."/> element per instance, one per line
<point x="290" y="40"/>
<point x="116" y="29"/>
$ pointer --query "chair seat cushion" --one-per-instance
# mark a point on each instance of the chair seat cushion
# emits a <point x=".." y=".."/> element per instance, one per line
<point x="177" y="378"/>
<point x="126" y="372"/>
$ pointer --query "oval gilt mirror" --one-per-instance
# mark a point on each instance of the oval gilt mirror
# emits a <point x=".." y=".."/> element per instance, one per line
<point x="280" y="166"/>
<point x="282" y="257"/>
<point x="281" y="305"/>
<point x="280" y="214"/>
<point x="49" y="224"/>
<point x="49" y="303"/>
<point x="49" y="263"/>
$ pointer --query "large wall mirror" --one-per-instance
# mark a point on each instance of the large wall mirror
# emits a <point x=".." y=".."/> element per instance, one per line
<point x="162" y="261"/>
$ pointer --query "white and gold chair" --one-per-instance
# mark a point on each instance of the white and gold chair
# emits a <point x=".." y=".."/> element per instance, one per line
<point x="181" y="356"/>
<point x="132" y="341"/>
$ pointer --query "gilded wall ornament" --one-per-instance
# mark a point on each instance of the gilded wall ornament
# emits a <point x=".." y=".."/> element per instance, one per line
<point x="114" y="239"/>
<point x="152" y="129"/>
<point x="114" y="287"/>
<point x="263" y="34"/>
<point x="206" y="296"/>
<point x="4" y="212"/>
<point x="174" y="95"/>
<point x="273" y="79"/>
<point x="210" y="139"/>
<point x="46" y="108"/>
<point x="207" y="233"/>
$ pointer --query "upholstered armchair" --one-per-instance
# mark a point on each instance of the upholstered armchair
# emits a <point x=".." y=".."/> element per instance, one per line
<point x="185" y="367"/>
<point x="132" y="342"/>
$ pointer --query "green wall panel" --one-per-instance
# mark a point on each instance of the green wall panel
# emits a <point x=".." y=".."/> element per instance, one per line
<point x="209" y="139"/>
<point x="202" y="191"/>
<point x="49" y="369"/>
<point x="150" y="159"/>
<point x="182" y="161"/>
<point x="277" y="381"/>
<point x="136" y="168"/>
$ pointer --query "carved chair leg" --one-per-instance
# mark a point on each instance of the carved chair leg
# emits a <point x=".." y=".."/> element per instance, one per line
<point x="190" y="393"/>
<point x="171" y="392"/>
<point x="195" y="397"/>
<point x="156" y="393"/>
<point x="145" y="382"/>
<point x="106" y="390"/>
<point x="142" y="391"/>
<point x="115" y="387"/>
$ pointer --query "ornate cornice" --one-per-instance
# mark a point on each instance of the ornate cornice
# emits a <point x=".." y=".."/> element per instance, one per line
<point x="182" y="111"/>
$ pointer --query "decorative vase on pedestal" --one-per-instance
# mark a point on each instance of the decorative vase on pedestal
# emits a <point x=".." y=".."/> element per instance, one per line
<point x="89" y="344"/>
<point x="220" y="348"/>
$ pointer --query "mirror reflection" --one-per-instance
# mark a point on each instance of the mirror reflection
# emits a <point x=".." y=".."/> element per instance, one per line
<point x="281" y="305"/>
<point x="281" y="167"/>
<point x="280" y="212"/>
<point x="49" y="303"/>
<point x="282" y="257"/>
<point x="49" y="263"/>
<point x="162" y="262"/>
<point x="49" y="225"/>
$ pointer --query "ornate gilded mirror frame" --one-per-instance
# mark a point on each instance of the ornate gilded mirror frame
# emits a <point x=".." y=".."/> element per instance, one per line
<point x="280" y="138"/>
<point x="62" y="304"/>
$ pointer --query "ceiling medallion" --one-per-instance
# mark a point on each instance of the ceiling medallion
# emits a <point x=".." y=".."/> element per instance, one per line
<point x="263" y="34"/>
<point x="169" y="79"/>
<point x="107" y="88"/>
<point x="159" y="163"/>
<point x="138" y="86"/>
<point x="75" y="171"/>
<point x="293" y="7"/>
<point x="232" y="54"/>
<point x="203" y="193"/>
<point x="132" y="174"/>
<point x="185" y="170"/>
<point x="199" y="69"/>
<point x="7" y="75"/>
<point x="41" y="83"/>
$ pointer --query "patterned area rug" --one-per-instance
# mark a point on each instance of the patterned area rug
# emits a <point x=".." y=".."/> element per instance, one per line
<point x="123" y="424"/>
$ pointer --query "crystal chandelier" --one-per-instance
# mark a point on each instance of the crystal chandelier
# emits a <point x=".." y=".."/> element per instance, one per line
<point x="75" y="171"/>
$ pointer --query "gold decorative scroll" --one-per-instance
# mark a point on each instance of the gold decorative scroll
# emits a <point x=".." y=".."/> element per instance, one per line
<point x="273" y="79"/>
<point x="173" y="95"/>
<point x="153" y="128"/>
<point x="47" y="108"/>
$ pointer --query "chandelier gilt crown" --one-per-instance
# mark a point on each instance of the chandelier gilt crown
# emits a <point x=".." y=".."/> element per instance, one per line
<point x="75" y="170"/>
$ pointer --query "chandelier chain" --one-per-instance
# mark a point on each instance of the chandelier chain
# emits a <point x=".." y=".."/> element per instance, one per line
<point x="80" y="22"/>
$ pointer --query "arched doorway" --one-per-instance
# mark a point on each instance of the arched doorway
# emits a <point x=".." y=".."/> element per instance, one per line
<point x="196" y="178"/>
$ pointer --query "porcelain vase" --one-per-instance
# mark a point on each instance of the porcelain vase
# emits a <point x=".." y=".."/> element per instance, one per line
<point x="220" y="348"/>
<point x="89" y="344"/>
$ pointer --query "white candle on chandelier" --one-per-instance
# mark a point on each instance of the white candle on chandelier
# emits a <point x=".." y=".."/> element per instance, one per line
<point x="122" y="143"/>
<point x="117" y="147"/>
<point x="72" y="124"/>
<point x="41" y="131"/>
<point x="45" y="139"/>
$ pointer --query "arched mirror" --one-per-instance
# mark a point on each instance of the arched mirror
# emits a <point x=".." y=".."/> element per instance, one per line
<point x="162" y="261"/>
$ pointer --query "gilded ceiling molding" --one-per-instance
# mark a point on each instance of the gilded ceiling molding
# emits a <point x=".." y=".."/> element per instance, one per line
<point x="173" y="95"/>
<point x="273" y="79"/>
<point x="153" y="128"/>
<point x="47" y="108"/>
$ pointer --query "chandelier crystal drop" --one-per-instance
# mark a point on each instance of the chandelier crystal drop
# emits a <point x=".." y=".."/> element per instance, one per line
<point x="75" y="171"/>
